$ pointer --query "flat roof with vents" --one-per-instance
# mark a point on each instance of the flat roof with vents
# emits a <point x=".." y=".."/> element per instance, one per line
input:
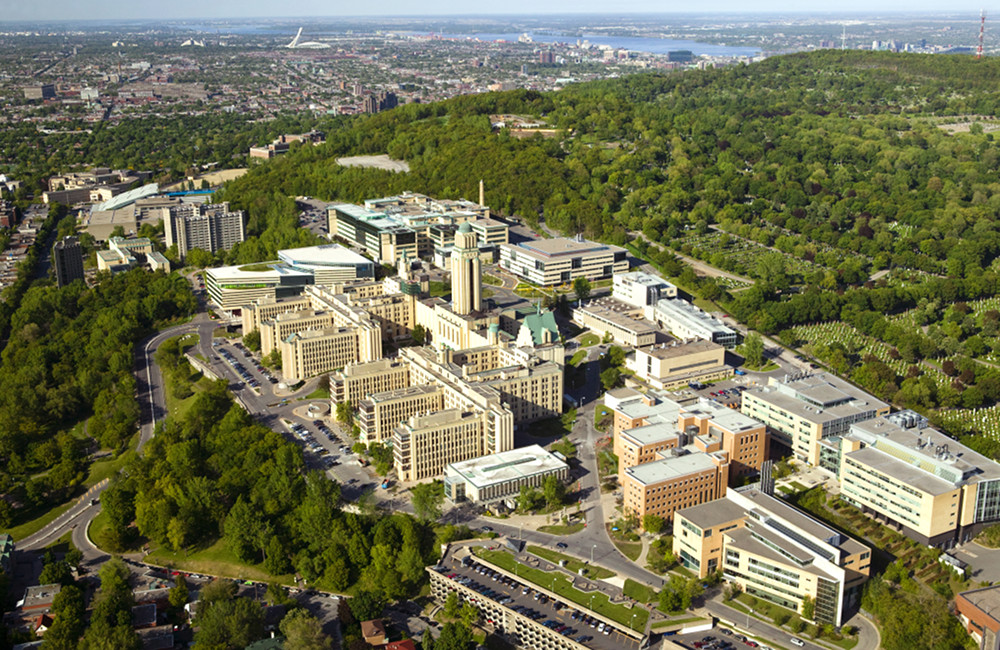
<point x="507" y="466"/>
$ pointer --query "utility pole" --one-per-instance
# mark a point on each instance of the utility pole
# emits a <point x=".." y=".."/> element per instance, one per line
<point x="982" y="28"/>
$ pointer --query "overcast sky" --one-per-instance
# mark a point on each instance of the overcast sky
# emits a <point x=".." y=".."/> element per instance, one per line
<point x="172" y="9"/>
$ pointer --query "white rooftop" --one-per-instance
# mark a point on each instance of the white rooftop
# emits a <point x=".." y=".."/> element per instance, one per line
<point x="506" y="466"/>
<point x="324" y="255"/>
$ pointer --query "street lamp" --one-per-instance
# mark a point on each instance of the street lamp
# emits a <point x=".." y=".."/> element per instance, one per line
<point x="631" y="621"/>
<point x="593" y="546"/>
<point x="748" y="618"/>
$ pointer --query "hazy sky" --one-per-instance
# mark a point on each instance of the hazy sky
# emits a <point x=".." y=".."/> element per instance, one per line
<point x="148" y="9"/>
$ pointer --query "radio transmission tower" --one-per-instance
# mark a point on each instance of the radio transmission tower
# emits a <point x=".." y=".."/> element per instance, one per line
<point x="982" y="28"/>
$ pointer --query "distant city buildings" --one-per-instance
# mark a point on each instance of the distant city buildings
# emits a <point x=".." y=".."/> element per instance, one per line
<point x="98" y="184"/>
<point x="381" y="101"/>
<point x="67" y="261"/>
<point x="40" y="92"/>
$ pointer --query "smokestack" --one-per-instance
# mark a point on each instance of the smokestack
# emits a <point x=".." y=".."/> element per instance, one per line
<point x="482" y="193"/>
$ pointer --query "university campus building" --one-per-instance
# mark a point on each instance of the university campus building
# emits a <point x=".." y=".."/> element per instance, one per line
<point x="775" y="552"/>
<point x="802" y="409"/>
<point x="909" y="476"/>
<point x="561" y="260"/>
<point x="672" y="456"/>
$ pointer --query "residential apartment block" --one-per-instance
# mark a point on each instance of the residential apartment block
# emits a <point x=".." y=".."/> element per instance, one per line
<point x="67" y="261"/>
<point x="800" y="410"/>
<point x="379" y="413"/>
<point x="209" y="227"/>
<point x="560" y="260"/>
<point x="915" y="479"/>
<point x="775" y="552"/>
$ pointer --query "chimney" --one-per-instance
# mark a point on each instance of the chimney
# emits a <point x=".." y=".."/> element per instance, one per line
<point x="482" y="193"/>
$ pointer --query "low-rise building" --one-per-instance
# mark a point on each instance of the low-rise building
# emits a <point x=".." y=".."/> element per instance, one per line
<point x="641" y="289"/>
<point x="123" y="254"/>
<point x="774" y="552"/>
<point x="669" y="366"/>
<point x="802" y="409"/>
<point x="622" y="322"/>
<point x="910" y="476"/>
<point x="560" y="260"/>
<point x="498" y="477"/>
<point x="231" y="288"/>
<point x="979" y="611"/>
<point x="685" y="321"/>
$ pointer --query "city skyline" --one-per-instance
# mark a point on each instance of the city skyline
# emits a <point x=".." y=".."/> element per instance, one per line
<point x="62" y="10"/>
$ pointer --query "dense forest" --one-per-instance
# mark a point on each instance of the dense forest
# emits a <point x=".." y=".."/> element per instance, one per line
<point x="69" y="358"/>
<point x="837" y="183"/>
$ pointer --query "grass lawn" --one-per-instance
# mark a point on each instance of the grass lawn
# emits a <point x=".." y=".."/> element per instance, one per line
<point x="40" y="518"/>
<point x="767" y="367"/>
<point x="638" y="591"/>
<point x="798" y="486"/>
<point x="607" y="462"/>
<point x="216" y="560"/>
<point x="223" y="333"/>
<point x="578" y="358"/>
<point x="319" y="393"/>
<point x="492" y="279"/>
<point x="589" y="339"/>
<point x="561" y="529"/>
<point x="63" y="544"/>
<point x="662" y="625"/>
<point x="102" y="469"/>
<point x="573" y="564"/>
<point x="439" y="289"/>
<point x="631" y="550"/>
<point x="559" y="584"/>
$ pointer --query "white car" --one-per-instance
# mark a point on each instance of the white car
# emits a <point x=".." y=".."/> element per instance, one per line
<point x="797" y="642"/>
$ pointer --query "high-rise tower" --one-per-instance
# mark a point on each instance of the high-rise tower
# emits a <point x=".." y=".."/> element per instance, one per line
<point x="466" y="274"/>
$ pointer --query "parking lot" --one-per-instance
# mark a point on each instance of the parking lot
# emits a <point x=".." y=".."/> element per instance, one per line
<point x="719" y="638"/>
<point x="561" y="616"/>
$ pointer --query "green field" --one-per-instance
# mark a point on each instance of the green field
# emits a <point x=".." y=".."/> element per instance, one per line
<point x="440" y="289"/>
<point x="559" y="584"/>
<point x="41" y="520"/>
<point x="638" y="591"/>
<point x="492" y="280"/>
<point x="572" y="564"/>
<point x="216" y="560"/>
<point x="578" y="358"/>
<point x="561" y="529"/>
<point x="589" y="339"/>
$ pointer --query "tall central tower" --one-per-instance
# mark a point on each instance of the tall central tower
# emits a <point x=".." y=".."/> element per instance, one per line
<point x="466" y="274"/>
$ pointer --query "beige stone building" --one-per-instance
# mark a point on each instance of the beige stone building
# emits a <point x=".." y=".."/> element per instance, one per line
<point x="801" y="410"/>
<point x="313" y="352"/>
<point x="774" y="552"/>
<point x="670" y="366"/>
<point x="358" y="380"/>
<point x="425" y="444"/>
<point x="380" y="413"/>
<point x="273" y="332"/>
<point x="671" y="482"/>
<point x="622" y="322"/>
<point x="904" y="473"/>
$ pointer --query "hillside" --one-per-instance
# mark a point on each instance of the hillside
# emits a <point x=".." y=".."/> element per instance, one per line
<point x="813" y="174"/>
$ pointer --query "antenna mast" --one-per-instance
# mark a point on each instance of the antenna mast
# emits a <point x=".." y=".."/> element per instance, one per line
<point x="982" y="28"/>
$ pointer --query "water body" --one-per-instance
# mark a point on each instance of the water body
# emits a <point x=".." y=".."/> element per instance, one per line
<point x="634" y="43"/>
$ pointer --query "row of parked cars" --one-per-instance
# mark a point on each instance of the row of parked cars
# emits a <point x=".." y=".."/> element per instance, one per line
<point x="712" y="643"/>
<point x="541" y="598"/>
